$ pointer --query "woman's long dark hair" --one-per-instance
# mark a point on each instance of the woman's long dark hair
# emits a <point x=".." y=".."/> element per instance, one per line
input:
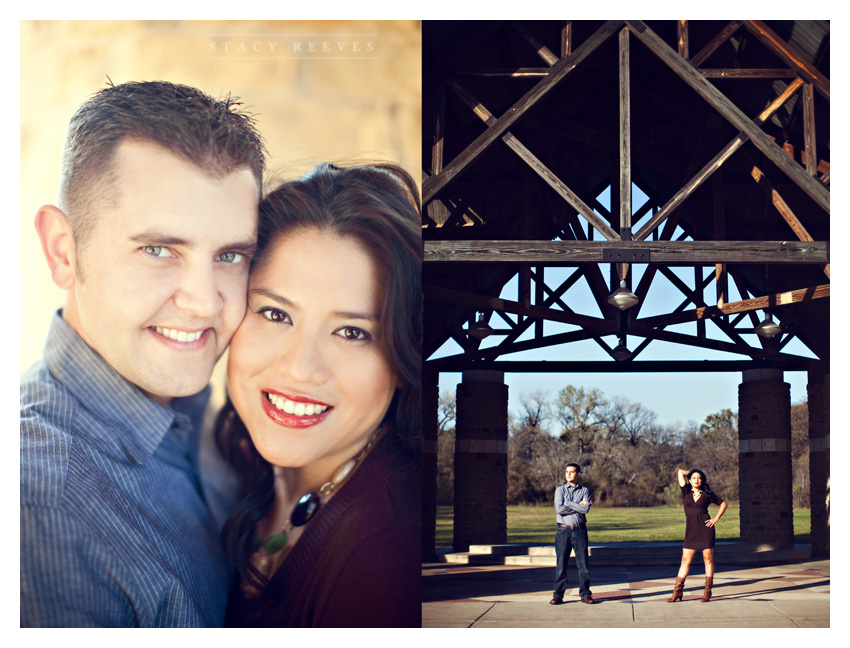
<point x="705" y="487"/>
<point x="378" y="206"/>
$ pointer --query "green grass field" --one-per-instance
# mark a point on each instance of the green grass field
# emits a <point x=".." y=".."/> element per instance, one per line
<point x="616" y="524"/>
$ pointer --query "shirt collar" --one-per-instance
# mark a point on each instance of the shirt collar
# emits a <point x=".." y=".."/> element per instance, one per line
<point x="139" y="422"/>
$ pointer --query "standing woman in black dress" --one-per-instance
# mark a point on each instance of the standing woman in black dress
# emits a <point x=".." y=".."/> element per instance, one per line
<point x="699" y="529"/>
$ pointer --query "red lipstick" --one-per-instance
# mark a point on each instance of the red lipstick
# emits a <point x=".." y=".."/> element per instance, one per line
<point x="291" y="420"/>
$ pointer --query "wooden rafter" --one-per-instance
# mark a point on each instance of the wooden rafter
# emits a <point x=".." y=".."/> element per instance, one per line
<point x="783" y="208"/>
<point x="482" y="302"/>
<point x="809" y="129"/>
<point x="748" y="73"/>
<point x="715" y="163"/>
<point x="742" y="306"/>
<point x="714" y="345"/>
<point x="716" y="42"/>
<point x="667" y="252"/>
<point x="532" y="256"/>
<point x="490" y="353"/>
<point x="535" y="164"/>
<point x="435" y="184"/>
<point x="731" y="113"/>
<point x="542" y="51"/>
<point x="644" y="366"/>
<point x="788" y="54"/>
<point x="625" y="175"/>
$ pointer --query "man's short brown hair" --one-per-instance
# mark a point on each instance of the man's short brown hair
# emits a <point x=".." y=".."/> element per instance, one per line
<point x="211" y="133"/>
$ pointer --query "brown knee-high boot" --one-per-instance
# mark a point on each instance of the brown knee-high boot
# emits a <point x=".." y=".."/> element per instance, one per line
<point x="706" y="596"/>
<point x="678" y="588"/>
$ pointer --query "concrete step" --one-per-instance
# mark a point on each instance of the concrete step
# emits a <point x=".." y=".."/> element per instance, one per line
<point x="621" y="553"/>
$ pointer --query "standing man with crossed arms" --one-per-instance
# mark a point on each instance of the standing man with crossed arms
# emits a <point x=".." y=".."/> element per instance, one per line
<point x="572" y="502"/>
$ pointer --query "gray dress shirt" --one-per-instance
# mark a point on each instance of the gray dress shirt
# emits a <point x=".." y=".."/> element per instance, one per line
<point x="115" y="530"/>
<point x="568" y="507"/>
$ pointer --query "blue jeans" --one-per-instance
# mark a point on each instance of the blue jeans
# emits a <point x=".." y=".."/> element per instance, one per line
<point x="565" y="541"/>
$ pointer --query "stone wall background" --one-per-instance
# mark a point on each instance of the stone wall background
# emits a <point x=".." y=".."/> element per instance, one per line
<point x="321" y="90"/>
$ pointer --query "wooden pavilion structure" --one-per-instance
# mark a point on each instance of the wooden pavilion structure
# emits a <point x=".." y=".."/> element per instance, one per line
<point x="722" y="129"/>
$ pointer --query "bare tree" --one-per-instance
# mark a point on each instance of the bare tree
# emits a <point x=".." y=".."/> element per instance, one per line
<point x="628" y="420"/>
<point x="800" y="455"/>
<point x="446" y="411"/>
<point x="581" y="415"/>
<point x="446" y="421"/>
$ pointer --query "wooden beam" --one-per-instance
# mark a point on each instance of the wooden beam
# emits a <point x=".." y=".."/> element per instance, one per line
<point x="809" y="129"/>
<point x="625" y="206"/>
<point x="542" y="51"/>
<point x="666" y="252"/>
<point x="780" y="204"/>
<point x="743" y="306"/>
<point x="783" y="208"/>
<point x="612" y="366"/>
<point x="716" y="42"/>
<point x="437" y="212"/>
<point x="682" y="40"/>
<point x="435" y="184"/>
<point x="715" y="345"/>
<point x="721" y="280"/>
<point x="439" y="133"/>
<point x="510" y="73"/>
<point x="536" y="165"/>
<point x="790" y="55"/>
<point x="457" y="212"/>
<point x="747" y="73"/>
<point x="567" y="39"/>
<point x="690" y="187"/>
<point x="732" y="113"/>
<point x="505" y="348"/>
<point x="483" y="302"/>
<point x="538" y="273"/>
<point x="715" y="163"/>
<point x="558" y="185"/>
<point x="649" y="273"/>
<point x="546" y="302"/>
<point x="698" y="300"/>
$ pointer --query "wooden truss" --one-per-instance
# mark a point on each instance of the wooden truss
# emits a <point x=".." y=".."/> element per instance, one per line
<point x="453" y="231"/>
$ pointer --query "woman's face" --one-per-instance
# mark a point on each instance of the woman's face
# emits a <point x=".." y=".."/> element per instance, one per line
<point x="696" y="480"/>
<point x="306" y="372"/>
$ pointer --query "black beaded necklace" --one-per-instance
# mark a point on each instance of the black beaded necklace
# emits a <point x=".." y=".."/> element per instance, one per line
<point x="308" y="505"/>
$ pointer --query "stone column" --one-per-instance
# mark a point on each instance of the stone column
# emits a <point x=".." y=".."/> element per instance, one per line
<point x="818" y="391"/>
<point x="481" y="460"/>
<point x="764" y="458"/>
<point x="430" y="414"/>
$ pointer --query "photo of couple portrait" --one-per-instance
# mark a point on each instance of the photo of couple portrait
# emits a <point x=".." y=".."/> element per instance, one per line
<point x="297" y="504"/>
<point x="293" y="294"/>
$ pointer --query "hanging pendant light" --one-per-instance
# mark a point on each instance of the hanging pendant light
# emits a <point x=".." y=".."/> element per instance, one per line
<point x="621" y="352"/>
<point x="623" y="298"/>
<point x="480" y="329"/>
<point x="768" y="328"/>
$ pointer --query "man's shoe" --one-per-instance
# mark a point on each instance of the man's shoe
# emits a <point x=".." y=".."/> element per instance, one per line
<point x="587" y="599"/>
<point x="556" y="600"/>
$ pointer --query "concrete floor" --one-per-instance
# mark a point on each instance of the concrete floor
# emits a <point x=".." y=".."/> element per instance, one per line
<point x="789" y="595"/>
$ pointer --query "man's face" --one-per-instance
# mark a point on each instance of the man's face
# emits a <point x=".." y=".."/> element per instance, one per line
<point x="571" y="474"/>
<point x="165" y="270"/>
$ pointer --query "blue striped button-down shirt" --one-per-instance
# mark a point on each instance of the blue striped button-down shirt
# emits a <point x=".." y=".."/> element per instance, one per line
<point x="114" y="528"/>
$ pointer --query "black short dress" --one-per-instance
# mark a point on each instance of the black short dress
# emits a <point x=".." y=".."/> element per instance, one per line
<point x="697" y="535"/>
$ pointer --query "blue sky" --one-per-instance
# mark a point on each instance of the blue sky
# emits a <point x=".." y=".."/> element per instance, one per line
<point x="674" y="397"/>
